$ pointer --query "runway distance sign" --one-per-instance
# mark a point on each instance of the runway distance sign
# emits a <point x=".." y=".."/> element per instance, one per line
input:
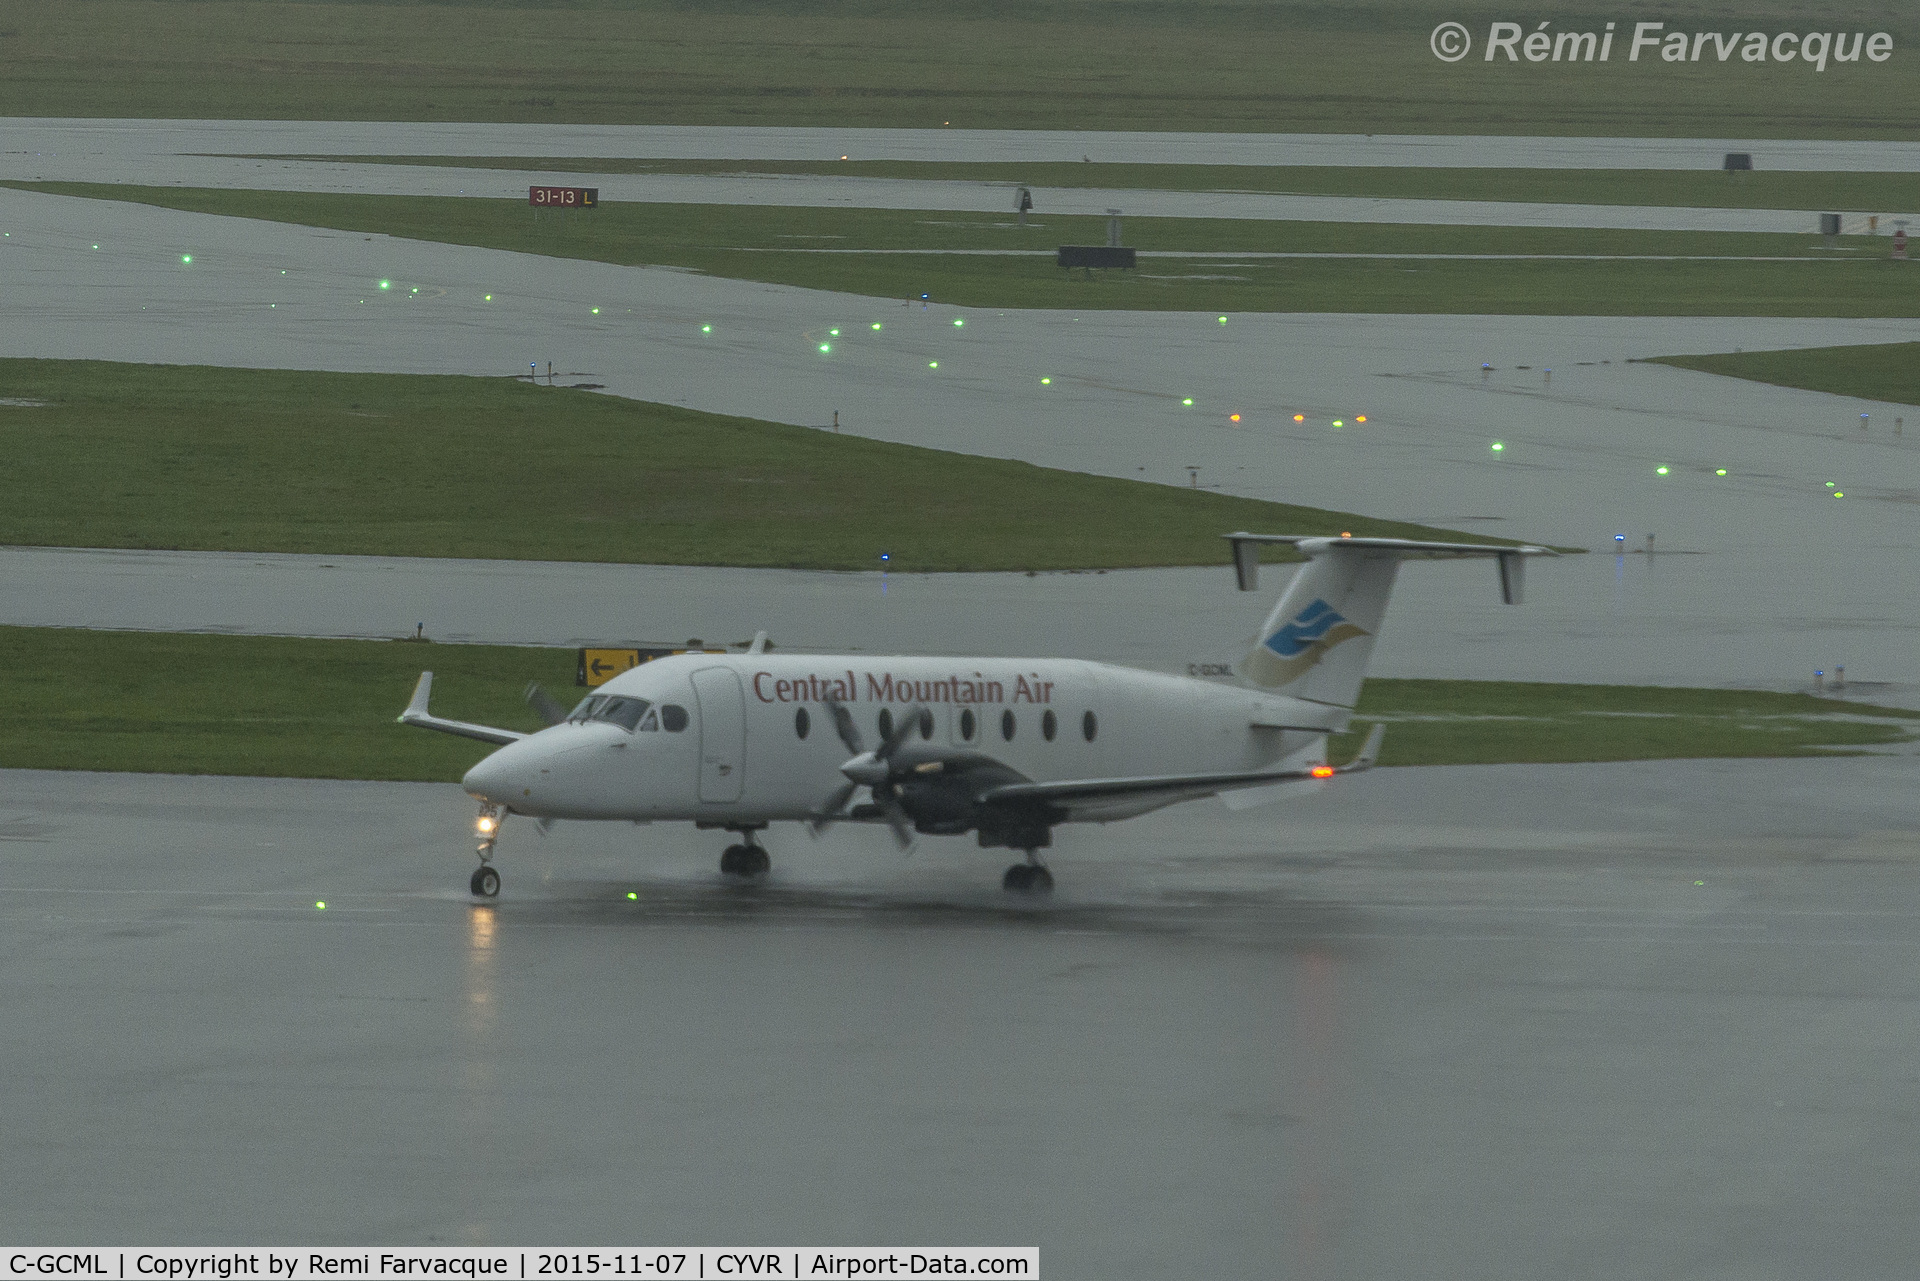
<point x="598" y="666"/>
<point x="563" y="197"/>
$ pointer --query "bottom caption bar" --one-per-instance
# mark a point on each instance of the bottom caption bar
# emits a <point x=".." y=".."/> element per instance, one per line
<point x="515" y="1263"/>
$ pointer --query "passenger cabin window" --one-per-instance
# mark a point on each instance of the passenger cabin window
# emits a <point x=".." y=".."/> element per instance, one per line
<point x="1089" y="725"/>
<point x="673" y="718"/>
<point x="801" y="722"/>
<point x="968" y="724"/>
<point x="1007" y="725"/>
<point x="1049" y="725"/>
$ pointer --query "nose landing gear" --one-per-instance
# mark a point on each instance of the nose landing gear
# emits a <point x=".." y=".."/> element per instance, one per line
<point x="746" y="860"/>
<point x="486" y="881"/>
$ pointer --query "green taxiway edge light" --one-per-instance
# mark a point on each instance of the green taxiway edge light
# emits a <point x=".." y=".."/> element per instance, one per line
<point x="1497" y="446"/>
<point x="320" y="906"/>
<point x="1719" y="471"/>
<point x="633" y="896"/>
<point x="186" y="257"/>
<point x="489" y="298"/>
<point x="957" y="322"/>
<point x="1660" y="471"/>
<point x="705" y="329"/>
<point x="1187" y="401"/>
<point x="825" y="348"/>
<point x="833" y="333"/>
<point x="1223" y="320"/>
<point x="1838" y="494"/>
<point x="933" y="364"/>
<point x="1046" y="382"/>
<point x="876" y="324"/>
<point x="386" y="284"/>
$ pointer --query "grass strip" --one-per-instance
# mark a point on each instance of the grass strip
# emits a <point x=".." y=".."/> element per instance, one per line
<point x="1513" y="722"/>
<point x="191" y="457"/>
<point x="768" y="243"/>
<point x="1361" y="66"/>
<point x="1694" y="189"/>
<point x="157" y="702"/>
<point x="1871" y="371"/>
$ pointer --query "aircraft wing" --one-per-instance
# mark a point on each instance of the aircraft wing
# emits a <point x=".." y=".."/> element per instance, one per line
<point x="418" y="715"/>
<point x="1068" y="792"/>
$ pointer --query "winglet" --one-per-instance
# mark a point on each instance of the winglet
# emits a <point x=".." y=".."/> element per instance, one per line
<point x="759" y="643"/>
<point x="1369" y="751"/>
<point x="422" y="690"/>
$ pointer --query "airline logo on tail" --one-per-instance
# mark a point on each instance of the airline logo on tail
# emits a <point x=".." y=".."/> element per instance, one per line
<point x="1298" y="645"/>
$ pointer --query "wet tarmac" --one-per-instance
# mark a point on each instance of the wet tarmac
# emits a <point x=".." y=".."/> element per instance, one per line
<point x="1760" y="576"/>
<point x="1451" y="1023"/>
<point x="122" y="144"/>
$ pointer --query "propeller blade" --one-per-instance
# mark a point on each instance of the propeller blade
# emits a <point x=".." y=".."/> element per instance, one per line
<point x="914" y="720"/>
<point x="825" y="817"/>
<point x="544" y="704"/>
<point x="898" y="823"/>
<point x="843" y="725"/>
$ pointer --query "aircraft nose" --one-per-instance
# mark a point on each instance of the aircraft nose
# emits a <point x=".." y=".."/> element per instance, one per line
<point x="495" y="778"/>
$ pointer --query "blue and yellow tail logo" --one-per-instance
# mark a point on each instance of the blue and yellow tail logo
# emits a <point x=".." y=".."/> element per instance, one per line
<point x="1299" y="644"/>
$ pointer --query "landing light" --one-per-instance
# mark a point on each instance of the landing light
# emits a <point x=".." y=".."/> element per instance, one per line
<point x="484" y="824"/>
<point x="1322" y="771"/>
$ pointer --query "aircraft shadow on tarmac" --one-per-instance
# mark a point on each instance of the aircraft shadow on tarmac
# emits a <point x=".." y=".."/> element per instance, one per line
<point x="1274" y="917"/>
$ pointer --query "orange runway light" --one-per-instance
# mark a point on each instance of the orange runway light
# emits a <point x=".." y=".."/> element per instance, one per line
<point x="1322" y="771"/>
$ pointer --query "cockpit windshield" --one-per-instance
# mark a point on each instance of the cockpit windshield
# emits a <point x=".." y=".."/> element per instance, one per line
<point x="627" y="713"/>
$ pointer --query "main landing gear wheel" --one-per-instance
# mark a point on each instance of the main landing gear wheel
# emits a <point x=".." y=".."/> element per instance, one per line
<point x="485" y="882"/>
<point x="745" y="861"/>
<point x="1027" y="878"/>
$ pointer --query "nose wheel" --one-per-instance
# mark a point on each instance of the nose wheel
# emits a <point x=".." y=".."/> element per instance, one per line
<point x="485" y="882"/>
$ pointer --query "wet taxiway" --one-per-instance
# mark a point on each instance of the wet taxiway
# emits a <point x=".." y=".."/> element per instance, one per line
<point x="1583" y="432"/>
<point x="123" y="144"/>
<point x="1452" y="1023"/>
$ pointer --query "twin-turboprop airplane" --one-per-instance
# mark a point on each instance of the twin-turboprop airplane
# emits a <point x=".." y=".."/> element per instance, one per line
<point x="1005" y="748"/>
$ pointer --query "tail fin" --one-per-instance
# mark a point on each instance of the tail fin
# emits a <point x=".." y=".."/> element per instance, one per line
<point x="1317" y="641"/>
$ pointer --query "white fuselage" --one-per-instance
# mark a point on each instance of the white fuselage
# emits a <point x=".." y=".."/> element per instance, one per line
<point x="757" y="742"/>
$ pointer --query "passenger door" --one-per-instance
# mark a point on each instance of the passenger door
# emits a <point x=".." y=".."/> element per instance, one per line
<point x="723" y="733"/>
